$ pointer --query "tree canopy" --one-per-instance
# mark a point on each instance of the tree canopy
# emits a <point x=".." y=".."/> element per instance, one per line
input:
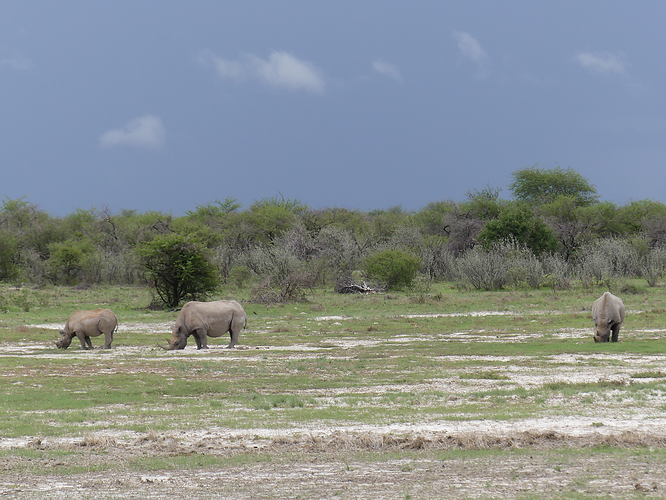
<point x="539" y="186"/>
<point x="553" y="212"/>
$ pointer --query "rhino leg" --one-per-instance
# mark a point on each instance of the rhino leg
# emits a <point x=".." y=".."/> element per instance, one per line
<point x="108" y="338"/>
<point x="82" y="338"/>
<point x="616" y="332"/>
<point x="89" y="342"/>
<point x="234" y="338"/>
<point x="200" y="338"/>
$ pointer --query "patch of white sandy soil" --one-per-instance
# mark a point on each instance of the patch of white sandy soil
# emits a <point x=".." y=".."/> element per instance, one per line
<point x="524" y="458"/>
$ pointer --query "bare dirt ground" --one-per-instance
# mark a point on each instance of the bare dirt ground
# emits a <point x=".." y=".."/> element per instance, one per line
<point x="322" y="466"/>
<point x="516" y="458"/>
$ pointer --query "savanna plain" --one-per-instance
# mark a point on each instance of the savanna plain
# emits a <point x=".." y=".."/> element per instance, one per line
<point x="437" y="394"/>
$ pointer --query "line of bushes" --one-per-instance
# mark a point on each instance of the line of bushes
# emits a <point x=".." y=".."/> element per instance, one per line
<point x="281" y="247"/>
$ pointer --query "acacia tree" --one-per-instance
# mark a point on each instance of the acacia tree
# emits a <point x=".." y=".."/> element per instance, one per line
<point x="269" y="218"/>
<point x="178" y="268"/>
<point x="537" y="186"/>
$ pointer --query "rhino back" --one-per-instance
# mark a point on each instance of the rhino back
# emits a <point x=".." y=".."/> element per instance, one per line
<point x="92" y="323"/>
<point x="608" y="306"/>
<point x="215" y="317"/>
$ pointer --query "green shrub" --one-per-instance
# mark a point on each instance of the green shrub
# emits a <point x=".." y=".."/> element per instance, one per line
<point x="8" y="257"/>
<point x="66" y="261"/>
<point x="519" y="224"/>
<point x="178" y="268"/>
<point x="394" y="268"/>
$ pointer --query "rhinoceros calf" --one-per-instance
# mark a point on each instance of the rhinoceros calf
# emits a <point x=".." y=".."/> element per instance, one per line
<point x="86" y="324"/>
<point x="608" y="315"/>
<point x="207" y="319"/>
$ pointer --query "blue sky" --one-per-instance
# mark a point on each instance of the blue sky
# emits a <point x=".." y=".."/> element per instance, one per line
<point x="164" y="105"/>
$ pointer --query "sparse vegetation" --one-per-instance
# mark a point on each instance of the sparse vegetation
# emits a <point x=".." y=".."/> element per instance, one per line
<point x="301" y="381"/>
<point x="485" y="319"/>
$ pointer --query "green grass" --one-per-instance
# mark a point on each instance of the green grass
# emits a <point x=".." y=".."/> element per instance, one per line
<point x="388" y="360"/>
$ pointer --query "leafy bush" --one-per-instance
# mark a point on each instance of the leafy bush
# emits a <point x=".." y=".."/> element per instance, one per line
<point x="66" y="261"/>
<point x="394" y="268"/>
<point x="8" y="257"/>
<point x="178" y="268"/>
<point x="519" y="224"/>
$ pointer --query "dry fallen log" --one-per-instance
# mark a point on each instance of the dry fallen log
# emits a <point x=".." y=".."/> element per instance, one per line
<point x="348" y="285"/>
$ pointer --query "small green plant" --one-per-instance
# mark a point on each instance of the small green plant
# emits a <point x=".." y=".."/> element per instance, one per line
<point x="395" y="268"/>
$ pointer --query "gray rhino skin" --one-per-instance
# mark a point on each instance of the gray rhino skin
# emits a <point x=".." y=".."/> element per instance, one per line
<point x="86" y="324"/>
<point x="608" y="315"/>
<point x="207" y="319"/>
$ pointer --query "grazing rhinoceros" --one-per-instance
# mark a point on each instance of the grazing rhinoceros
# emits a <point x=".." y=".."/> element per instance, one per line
<point x="207" y="319"/>
<point x="86" y="324"/>
<point x="608" y="315"/>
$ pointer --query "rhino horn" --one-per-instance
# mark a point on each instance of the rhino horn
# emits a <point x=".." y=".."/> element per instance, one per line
<point x="170" y="348"/>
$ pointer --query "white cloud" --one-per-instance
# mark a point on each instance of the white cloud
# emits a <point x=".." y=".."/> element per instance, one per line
<point x="470" y="47"/>
<point x="387" y="69"/>
<point x="284" y="70"/>
<point x="17" y="63"/>
<point x="602" y="63"/>
<point x="228" y="69"/>
<point x="281" y="69"/>
<point x="146" y="132"/>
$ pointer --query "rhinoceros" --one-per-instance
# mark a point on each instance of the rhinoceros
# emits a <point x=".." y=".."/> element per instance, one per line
<point x="207" y="319"/>
<point x="608" y="315"/>
<point x="86" y="324"/>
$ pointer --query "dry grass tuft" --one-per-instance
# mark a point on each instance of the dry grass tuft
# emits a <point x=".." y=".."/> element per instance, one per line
<point x="97" y="441"/>
<point x="344" y="441"/>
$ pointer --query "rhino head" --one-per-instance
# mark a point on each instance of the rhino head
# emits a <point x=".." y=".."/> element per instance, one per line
<point x="179" y="340"/>
<point x="602" y="330"/>
<point x="64" y="341"/>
